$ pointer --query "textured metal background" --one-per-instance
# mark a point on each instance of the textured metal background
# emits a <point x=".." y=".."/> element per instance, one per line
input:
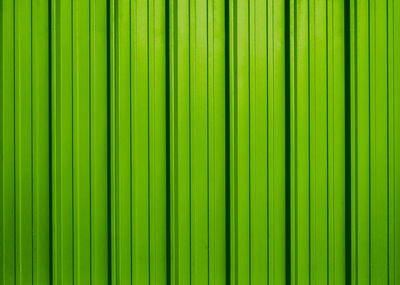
<point x="200" y="142"/>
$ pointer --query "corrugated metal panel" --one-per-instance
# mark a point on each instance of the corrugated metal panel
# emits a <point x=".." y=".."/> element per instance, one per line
<point x="204" y="142"/>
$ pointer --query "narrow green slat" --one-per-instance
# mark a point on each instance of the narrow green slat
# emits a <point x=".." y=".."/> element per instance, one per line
<point x="391" y="157"/>
<point x="140" y="139"/>
<point x="173" y="141"/>
<point x="41" y="143"/>
<point x="81" y="141"/>
<point x="99" y="143"/>
<point x="7" y="204"/>
<point x="276" y="143"/>
<point x="232" y="144"/>
<point x="216" y="143"/>
<point x="123" y="144"/>
<point x="331" y="147"/>
<point x="259" y="144"/>
<point x="180" y="142"/>
<point x="396" y="139"/>
<point x="372" y="120"/>
<point x="353" y="204"/>
<point x="361" y="132"/>
<point x="293" y="181"/>
<point x="198" y="142"/>
<point x="318" y="143"/>
<point x="241" y="112"/>
<point x="112" y="89"/>
<point x="62" y="216"/>
<point x="300" y="145"/>
<point x="336" y="147"/>
<point x="157" y="146"/>
<point x="379" y="151"/>
<point x="55" y="119"/>
<point x="23" y="142"/>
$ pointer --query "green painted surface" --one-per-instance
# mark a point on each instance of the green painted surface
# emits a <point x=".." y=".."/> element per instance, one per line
<point x="199" y="142"/>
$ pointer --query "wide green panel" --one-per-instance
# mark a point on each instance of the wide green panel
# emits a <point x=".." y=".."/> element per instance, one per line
<point x="199" y="142"/>
<point x="257" y="142"/>
<point x="317" y="141"/>
<point x="374" y="95"/>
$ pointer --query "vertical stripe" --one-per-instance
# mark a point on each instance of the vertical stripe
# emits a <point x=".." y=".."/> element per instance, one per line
<point x="98" y="144"/>
<point x="8" y="218"/>
<point x="23" y="142"/>
<point x="41" y="143"/>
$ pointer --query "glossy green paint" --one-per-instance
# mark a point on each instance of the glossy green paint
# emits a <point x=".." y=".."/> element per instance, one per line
<point x="199" y="142"/>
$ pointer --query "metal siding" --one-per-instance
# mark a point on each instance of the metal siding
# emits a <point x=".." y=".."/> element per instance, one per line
<point x="200" y="142"/>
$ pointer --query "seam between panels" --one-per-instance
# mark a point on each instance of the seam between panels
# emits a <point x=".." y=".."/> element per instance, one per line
<point x="252" y="65"/>
<point x="90" y="143"/>
<point x="267" y="40"/>
<point x="15" y="153"/>
<point x="72" y="142"/>
<point x="348" y="142"/>
<point x="190" y="123"/>
<point x="249" y="132"/>
<point x="327" y="138"/>
<point x="333" y="138"/>
<point x="235" y="106"/>
<point x="387" y="143"/>
<point x="369" y="139"/>
<point x="270" y="192"/>
<point x="209" y="26"/>
<point x="32" y="151"/>
<point x="309" y="140"/>
<point x="149" y="137"/>
<point x="132" y="90"/>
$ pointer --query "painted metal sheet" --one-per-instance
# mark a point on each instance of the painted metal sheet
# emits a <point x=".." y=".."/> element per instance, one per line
<point x="199" y="142"/>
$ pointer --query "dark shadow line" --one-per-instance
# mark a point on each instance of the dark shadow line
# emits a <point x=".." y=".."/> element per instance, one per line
<point x="347" y="143"/>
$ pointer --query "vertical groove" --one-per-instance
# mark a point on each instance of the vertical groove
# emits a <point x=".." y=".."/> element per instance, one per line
<point x="327" y="145"/>
<point x="74" y="208"/>
<point x="15" y="154"/>
<point x="31" y="148"/>
<point x="369" y="141"/>
<point x="309" y="140"/>
<point x="149" y="173"/>
<point x="91" y="208"/>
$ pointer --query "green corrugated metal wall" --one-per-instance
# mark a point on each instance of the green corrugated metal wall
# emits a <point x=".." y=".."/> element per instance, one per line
<point x="200" y="142"/>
